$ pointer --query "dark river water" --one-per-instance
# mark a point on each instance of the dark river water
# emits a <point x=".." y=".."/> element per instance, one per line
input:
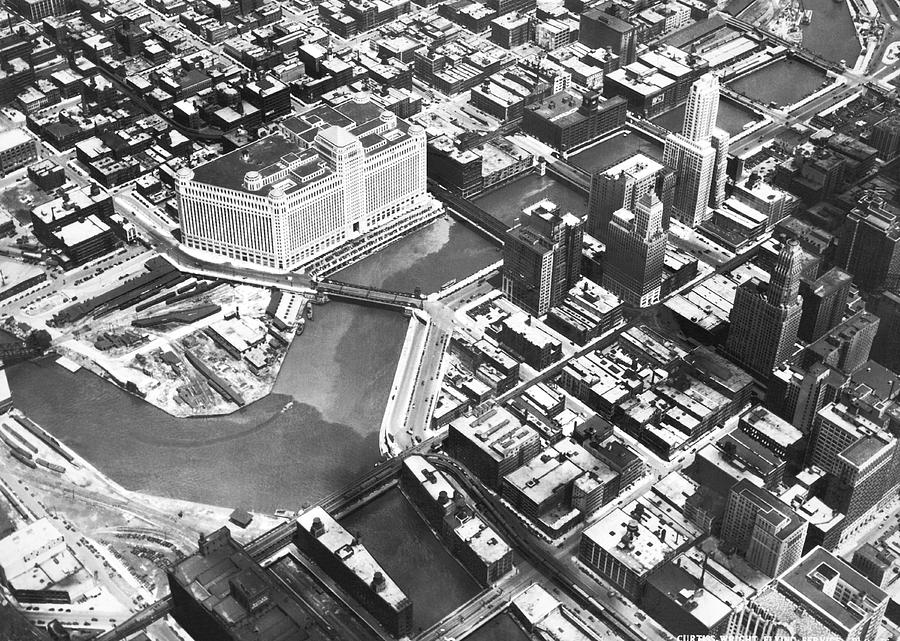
<point x="404" y="552"/>
<point x="783" y="82"/>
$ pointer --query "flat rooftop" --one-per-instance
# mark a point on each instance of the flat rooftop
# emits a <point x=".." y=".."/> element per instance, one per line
<point x="497" y="432"/>
<point x="353" y="555"/>
<point x="432" y="480"/>
<point x="771" y="426"/>
<point x="640" y="539"/>
<point x="79" y="231"/>
<point x="681" y="588"/>
<point x="289" y="160"/>
<point x="13" y="138"/>
<point x="215" y="579"/>
<point x="820" y="578"/>
<point x="482" y="540"/>
<point x="638" y="166"/>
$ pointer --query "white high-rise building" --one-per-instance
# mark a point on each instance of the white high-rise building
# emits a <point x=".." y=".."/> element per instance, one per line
<point x="699" y="155"/>
<point x="333" y="174"/>
<point x="702" y="109"/>
<point x="695" y="164"/>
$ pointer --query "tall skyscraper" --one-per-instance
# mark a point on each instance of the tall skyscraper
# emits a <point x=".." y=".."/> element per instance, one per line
<point x="765" y="318"/>
<point x="542" y="257"/>
<point x="886" y="348"/>
<point x="869" y="244"/>
<point x="886" y="137"/>
<point x="635" y="252"/>
<point x="702" y="108"/>
<point x="797" y="394"/>
<point x="699" y="155"/>
<point x="824" y="303"/>
<point x="619" y="187"/>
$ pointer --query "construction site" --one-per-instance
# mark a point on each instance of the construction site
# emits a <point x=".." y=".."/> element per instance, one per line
<point x="190" y="346"/>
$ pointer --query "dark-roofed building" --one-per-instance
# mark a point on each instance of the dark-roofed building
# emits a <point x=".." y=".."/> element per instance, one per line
<point x="221" y="594"/>
<point x="879" y="565"/>
<point x="869" y="244"/>
<point x="824" y="302"/>
<point x="601" y="30"/>
<point x="564" y="122"/>
<point x="720" y="374"/>
<point x="740" y="448"/>
<point x="681" y="603"/>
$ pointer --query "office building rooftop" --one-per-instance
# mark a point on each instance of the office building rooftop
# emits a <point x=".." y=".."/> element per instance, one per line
<point x="496" y="432"/>
<point x="770" y="426"/>
<point x="832" y="590"/>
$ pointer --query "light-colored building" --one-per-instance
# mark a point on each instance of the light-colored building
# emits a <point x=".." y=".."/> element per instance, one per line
<point x="546" y="618"/>
<point x="35" y="557"/>
<point x="348" y="562"/>
<point x="859" y="461"/>
<point x="763" y="528"/>
<point x="332" y="175"/>
<point x="558" y="484"/>
<point x="628" y="543"/>
<point x="695" y="163"/>
<point x="492" y="444"/>
<point x="17" y="149"/>
<point x="699" y="154"/>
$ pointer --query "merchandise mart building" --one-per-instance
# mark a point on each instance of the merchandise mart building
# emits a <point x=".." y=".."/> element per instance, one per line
<point x="331" y="176"/>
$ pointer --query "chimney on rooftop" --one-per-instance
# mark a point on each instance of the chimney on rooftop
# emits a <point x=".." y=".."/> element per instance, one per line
<point x="318" y="528"/>
<point x="378" y="582"/>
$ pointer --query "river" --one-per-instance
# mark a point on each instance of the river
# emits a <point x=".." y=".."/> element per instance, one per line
<point x="831" y="33"/>
<point x="783" y="82"/>
<point x="403" y="545"/>
<point x="615" y="149"/>
<point x="316" y="433"/>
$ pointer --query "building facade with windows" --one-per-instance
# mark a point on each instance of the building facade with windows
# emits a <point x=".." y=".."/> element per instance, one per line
<point x="17" y="149"/>
<point x="334" y="174"/>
